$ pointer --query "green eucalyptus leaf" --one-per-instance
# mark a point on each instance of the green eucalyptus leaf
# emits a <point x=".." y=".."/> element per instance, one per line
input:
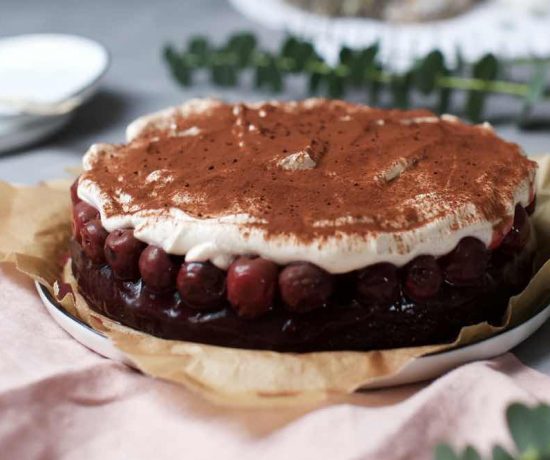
<point x="298" y="52"/>
<point x="460" y="62"/>
<point x="350" y="60"/>
<point x="170" y="55"/>
<point x="178" y="66"/>
<point x="375" y="86"/>
<point x="268" y="74"/>
<point x="242" y="45"/>
<point x="486" y="70"/>
<point x="535" y="91"/>
<point x="259" y="76"/>
<point x="346" y="55"/>
<point x="530" y="428"/>
<point x="224" y="68"/>
<point x="169" y="52"/>
<point x="183" y="74"/>
<point x="335" y="85"/>
<point x="475" y="105"/>
<point x="400" y="87"/>
<point x="470" y="454"/>
<point x="215" y="75"/>
<point x="230" y="75"/>
<point x="307" y="52"/>
<point x="358" y="63"/>
<point x="500" y="454"/>
<point x="428" y="70"/>
<point x="444" y="452"/>
<point x="314" y="83"/>
<point x="199" y="47"/>
<point x="444" y="102"/>
<point x="369" y="54"/>
<point x="275" y="80"/>
<point x="288" y="48"/>
<point x="445" y="95"/>
<point x="224" y="74"/>
<point x="357" y="73"/>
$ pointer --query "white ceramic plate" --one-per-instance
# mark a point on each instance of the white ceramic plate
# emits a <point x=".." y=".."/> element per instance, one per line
<point x="31" y="132"/>
<point x="45" y="69"/>
<point x="80" y="331"/>
<point x="48" y="68"/>
<point x="424" y="368"/>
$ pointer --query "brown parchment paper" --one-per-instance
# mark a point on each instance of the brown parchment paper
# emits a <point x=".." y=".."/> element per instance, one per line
<point x="34" y="231"/>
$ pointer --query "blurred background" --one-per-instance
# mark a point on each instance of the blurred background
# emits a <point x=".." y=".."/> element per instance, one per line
<point x="488" y="56"/>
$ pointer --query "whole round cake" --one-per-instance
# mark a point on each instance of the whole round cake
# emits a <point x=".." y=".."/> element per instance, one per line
<point x="303" y="226"/>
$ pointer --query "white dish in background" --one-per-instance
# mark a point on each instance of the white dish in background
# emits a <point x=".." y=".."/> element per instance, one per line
<point x="48" y="68"/>
<point x="419" y="369"/>
<point x="31" y="132"/>
<point x="509" y="28"/>
<point x="44" y="69"/>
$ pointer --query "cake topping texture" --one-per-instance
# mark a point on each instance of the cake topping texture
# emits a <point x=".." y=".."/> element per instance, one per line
<point x="313" y="172"/>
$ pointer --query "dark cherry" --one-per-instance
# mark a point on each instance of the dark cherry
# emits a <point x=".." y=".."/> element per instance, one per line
<point x="201" y="285"/>
<point x="93" y="236"/>
<point x="423" y="278"/>
<point x="82" y="213"/>
<point x="74" y="194"/>
<point x="378" y="284"/>
<point x="530" y="208"/>
<point x="122" y="251"/>
<point x="304" y="287"/>
<point x="467" y="263"/>
<point x="157" y="269"/>
<point x="251" y="284"/>
<point x="517" y="237"/>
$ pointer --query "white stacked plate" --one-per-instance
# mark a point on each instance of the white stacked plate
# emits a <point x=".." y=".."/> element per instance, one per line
<point x="44" y="78"/>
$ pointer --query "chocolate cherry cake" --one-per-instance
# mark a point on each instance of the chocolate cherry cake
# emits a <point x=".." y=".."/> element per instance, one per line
<point x="303" y="226"/>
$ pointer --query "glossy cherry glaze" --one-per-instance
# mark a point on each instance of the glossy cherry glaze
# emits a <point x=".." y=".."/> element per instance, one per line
<point x="256" y="304"/>
<point x="340" y="325"/>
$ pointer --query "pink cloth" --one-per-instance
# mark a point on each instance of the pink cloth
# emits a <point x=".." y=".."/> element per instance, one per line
<point x="60" y="400"/>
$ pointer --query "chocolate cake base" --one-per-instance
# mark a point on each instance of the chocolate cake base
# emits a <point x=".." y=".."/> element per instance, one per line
<point x="344" y="324"/>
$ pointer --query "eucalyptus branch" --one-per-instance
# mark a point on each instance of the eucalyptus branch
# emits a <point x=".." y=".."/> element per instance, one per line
<point x="359" y="69"/>
<point x="530" y="430"/>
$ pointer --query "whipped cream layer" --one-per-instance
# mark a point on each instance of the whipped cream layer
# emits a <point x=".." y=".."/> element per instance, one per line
<point x="340" y="185"/>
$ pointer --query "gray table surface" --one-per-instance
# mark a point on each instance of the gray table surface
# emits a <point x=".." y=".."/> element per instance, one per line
<point x="138" y="82"/>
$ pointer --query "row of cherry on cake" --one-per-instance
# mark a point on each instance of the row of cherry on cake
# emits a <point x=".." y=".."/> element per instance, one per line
<point x="251" y="284"/>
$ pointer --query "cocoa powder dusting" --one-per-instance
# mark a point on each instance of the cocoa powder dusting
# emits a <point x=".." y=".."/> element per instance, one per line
<point x="314" y="169"/>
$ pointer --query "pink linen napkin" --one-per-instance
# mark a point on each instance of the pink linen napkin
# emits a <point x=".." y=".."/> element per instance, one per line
<point x="60" y="400"/>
